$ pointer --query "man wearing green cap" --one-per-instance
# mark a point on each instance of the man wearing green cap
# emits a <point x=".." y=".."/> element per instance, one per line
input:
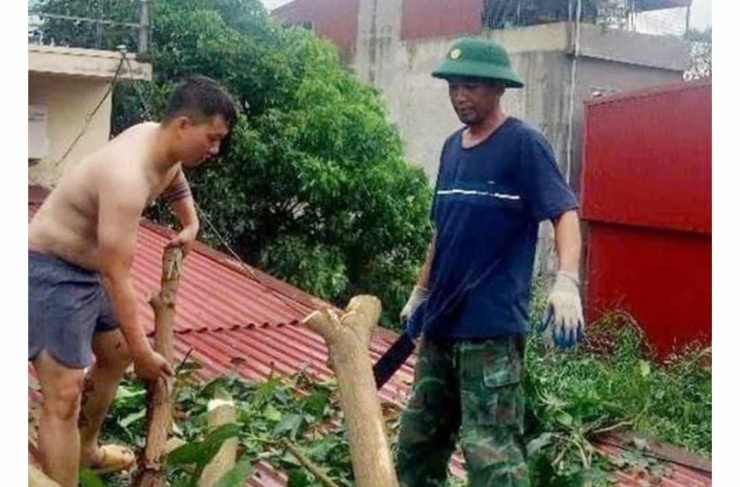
<point x="497" y="180"/>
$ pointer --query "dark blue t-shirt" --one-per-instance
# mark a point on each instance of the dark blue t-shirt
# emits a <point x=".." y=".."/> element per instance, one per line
<point x="487" y="205"/>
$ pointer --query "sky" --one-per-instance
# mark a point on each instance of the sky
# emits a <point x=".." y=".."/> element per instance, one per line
<point x="701" y="14"/>
<point x="701" y="11"/>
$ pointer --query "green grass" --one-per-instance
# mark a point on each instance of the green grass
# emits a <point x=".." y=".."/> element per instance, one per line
<point x="610" y="382"/>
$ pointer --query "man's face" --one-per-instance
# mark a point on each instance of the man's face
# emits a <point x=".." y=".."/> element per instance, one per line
<point x="201" y="140"/>
<point x="472" y="99"/>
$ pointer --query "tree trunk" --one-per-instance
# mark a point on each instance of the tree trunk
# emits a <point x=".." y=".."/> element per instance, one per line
<point x="159" y="402"/>
<point x="348" y="338"/>
<point x="220" y="412"/>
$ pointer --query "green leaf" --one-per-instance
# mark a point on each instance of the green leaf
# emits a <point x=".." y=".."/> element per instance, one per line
<point x="316" y="403"/>
<point x="298" y="478"/>
<point x="132" y="418"/>
<point x="238" y="475"/>
<point x="644" y="368"/>
<point x="88" y="478"/>
<point x="128" y="392"/>
<point x="272" y="414"/>
<point x="290" y="425"/>
<point x="553" y="401"/>
<point x="564" y="418"/>
<point x="201" y="452"/>
<point x="539" y="443"/>
<point x="183" y="482"/>
<point x="222" y="393"/>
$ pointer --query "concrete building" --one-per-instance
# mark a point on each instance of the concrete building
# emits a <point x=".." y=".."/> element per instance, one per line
<point x="69" y="109"/>
<point x="397" y="43"/>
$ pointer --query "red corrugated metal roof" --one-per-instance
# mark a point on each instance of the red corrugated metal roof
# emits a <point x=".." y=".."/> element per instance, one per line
<point x="679" y="476"/>
<point x="211" y="295"/>
<point x="225" y="313"/>
<point x="284" y="350"/>
<point x="425" y="19"/>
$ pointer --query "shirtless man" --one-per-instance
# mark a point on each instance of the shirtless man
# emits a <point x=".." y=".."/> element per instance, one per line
<point x="81" y="294"/>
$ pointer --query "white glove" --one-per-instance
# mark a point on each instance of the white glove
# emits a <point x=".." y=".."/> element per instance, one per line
<point x="418" y="295"/>
<point x="563" y="320"/>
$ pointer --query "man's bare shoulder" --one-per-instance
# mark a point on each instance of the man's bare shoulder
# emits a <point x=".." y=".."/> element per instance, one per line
<point x="136" y="131"/>
<point x="115" y="175"/>
<point x="120" y="165"/>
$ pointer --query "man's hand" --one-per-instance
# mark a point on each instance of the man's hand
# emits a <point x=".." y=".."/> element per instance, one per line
<point x="563" y="322"/>
<point x="150" y="366"/>
<point x="185" y="239"/>
<point x="418" y="295"/>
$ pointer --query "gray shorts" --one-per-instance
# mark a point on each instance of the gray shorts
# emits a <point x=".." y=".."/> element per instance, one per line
<point x="66" y="306"/>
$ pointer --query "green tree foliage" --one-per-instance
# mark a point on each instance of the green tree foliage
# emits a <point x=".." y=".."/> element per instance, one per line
<point x="314" y="187"/>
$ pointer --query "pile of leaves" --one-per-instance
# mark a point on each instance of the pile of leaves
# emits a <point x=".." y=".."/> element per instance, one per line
<point x="610" y="385"/>
<point x="298" y="409"/>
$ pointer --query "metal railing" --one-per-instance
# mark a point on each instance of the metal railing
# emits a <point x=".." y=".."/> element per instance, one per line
<point x="668" y="17"/>
<point x="73" y="30"/>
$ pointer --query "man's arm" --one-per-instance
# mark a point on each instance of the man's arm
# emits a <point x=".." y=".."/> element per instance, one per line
<point x="568" y="241"/>
<point x="564" y="314"/>
<point x="423" y="277"/>
<point x="419" y="293"/>
<point x="404" y="346"/>
<point x="119" y="209"/>
<point x="180" y="200"/>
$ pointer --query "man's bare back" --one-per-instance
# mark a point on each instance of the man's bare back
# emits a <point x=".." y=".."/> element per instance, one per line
<point x="66" y="225"/>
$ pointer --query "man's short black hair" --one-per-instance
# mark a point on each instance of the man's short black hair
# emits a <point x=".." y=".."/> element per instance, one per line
<point x="201" y="97"/>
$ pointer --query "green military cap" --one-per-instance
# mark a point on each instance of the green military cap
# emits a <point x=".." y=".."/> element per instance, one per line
<point x="478" y="58"/>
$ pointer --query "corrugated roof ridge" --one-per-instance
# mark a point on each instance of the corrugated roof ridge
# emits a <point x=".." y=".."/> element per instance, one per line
<point x="234" y="327"/>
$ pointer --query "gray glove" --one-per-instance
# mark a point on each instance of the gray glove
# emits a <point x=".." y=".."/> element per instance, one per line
<point x="418" y="295"/>
<point x="563" y="320"/>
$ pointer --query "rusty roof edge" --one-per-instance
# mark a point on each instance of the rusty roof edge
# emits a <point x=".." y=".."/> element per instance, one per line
<point x="379" y="332"/>
<point x="234" y="327"/>
<point x="650" y="91"/>
<point x="662" y="451"/>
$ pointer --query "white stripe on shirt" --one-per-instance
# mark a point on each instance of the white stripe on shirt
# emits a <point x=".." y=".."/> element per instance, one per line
<point x="479" y="193"/>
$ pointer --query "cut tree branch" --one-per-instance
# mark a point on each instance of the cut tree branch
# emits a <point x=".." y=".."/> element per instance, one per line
<point x="348" y="337"/>
<point x="310" y="466"/>
<point x="220" y="412"/>
<point x="159" y="401"/>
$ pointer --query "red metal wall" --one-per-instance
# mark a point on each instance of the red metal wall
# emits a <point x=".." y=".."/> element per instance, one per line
<point x="647" y="200"/>
<point x="335" y="20"/>
<point x="440" y="18"/>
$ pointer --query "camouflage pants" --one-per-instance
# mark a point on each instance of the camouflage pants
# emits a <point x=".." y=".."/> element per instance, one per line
<point x="472" y="389"/>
